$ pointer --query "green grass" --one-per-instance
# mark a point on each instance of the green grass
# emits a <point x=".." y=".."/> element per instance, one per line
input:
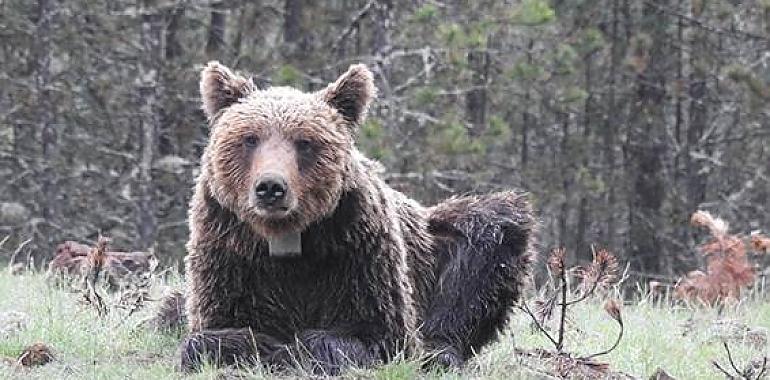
<point x="681" y="340"/>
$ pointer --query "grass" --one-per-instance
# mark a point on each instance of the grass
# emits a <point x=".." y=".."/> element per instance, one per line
<point x="681" y="340"/>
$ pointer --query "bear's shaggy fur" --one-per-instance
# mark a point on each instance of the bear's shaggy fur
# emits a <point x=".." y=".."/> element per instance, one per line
<point x="378" y="274"/>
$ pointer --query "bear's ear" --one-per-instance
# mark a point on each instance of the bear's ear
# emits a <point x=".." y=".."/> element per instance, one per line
<point x="352" y="93"/>
<point x="220" y="88"/>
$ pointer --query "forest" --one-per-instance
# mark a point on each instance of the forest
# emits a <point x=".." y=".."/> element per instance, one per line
<point x="620" y="117"/>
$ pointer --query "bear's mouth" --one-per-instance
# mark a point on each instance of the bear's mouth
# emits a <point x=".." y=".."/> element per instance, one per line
<point x="274" y="219"/>
<point x="282" y="209"/>
<point x="274" y="213"/>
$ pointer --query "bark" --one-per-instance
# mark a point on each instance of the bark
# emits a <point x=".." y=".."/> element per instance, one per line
<point x="294" y="31"/>
<point x="610" y="129"/>
<point x="527" y="118"/>
<point x="215" y="41"/>
<point x="564" y="235"/>
<point x="46" y="106"/>
<point x="646" y="145"/>
<point x="476" y="99"/>
<point x="584" y="214"/>
<point x="698" y="120"/>
<point x="173" y="21"/>
<point x="148" y="87"/>
<point x="382" y="46"/>
<point x="249" y="13"/>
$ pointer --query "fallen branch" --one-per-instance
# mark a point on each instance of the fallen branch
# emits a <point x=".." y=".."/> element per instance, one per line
<point x="746" y="374"/>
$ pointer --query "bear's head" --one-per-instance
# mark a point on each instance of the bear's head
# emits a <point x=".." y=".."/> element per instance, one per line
<point x="280" y="158"/>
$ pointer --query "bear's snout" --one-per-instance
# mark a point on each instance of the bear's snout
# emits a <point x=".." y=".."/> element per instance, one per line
<point x="272" y="194"/>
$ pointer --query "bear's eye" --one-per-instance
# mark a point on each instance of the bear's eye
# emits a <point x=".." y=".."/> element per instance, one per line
<point x="250" y="141"/>
<point x="304" y="146"/>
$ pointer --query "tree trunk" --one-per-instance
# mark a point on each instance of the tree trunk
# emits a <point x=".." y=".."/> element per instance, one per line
<point x="476" y="98"/>
<point x="215" y="41"/>
<point x="174" y="18"/>
<point x="699" y="116"/>
<point x="294" y="31"/>
<point x="526" y="116"/>
<point x="564" y="236"/>
<point x="584" y="214"/>
<point x="168" y="135"/>
<point x="610" y="127"/>
<point x="382" y="46"/>
<point x="646" y="145"/>
<point x="148" y="88"/>
<point x="247" y="19"/>
<point x="48" y="132"/>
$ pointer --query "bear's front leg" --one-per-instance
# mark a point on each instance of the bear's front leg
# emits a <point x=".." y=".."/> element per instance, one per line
<point x="226" y="346"/>
<point x="327" y="352"/>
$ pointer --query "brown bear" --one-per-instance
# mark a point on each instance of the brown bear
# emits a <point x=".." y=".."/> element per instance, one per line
<point x="299" y="254"/>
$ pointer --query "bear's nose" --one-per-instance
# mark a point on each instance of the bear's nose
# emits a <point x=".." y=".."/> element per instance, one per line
<point x="271" y="189"/>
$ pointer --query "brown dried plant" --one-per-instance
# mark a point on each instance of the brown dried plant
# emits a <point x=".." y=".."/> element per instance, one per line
<point x="107" y="280"/>
<point x="71" y="261"/>
<point x="598" y="275"/>
<point x="556" y="260"/>
<point x="760" y="243"/>
<point x="35" y="355"/>
<point x="93" y="270"/>
<point x="728" y="269"/>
